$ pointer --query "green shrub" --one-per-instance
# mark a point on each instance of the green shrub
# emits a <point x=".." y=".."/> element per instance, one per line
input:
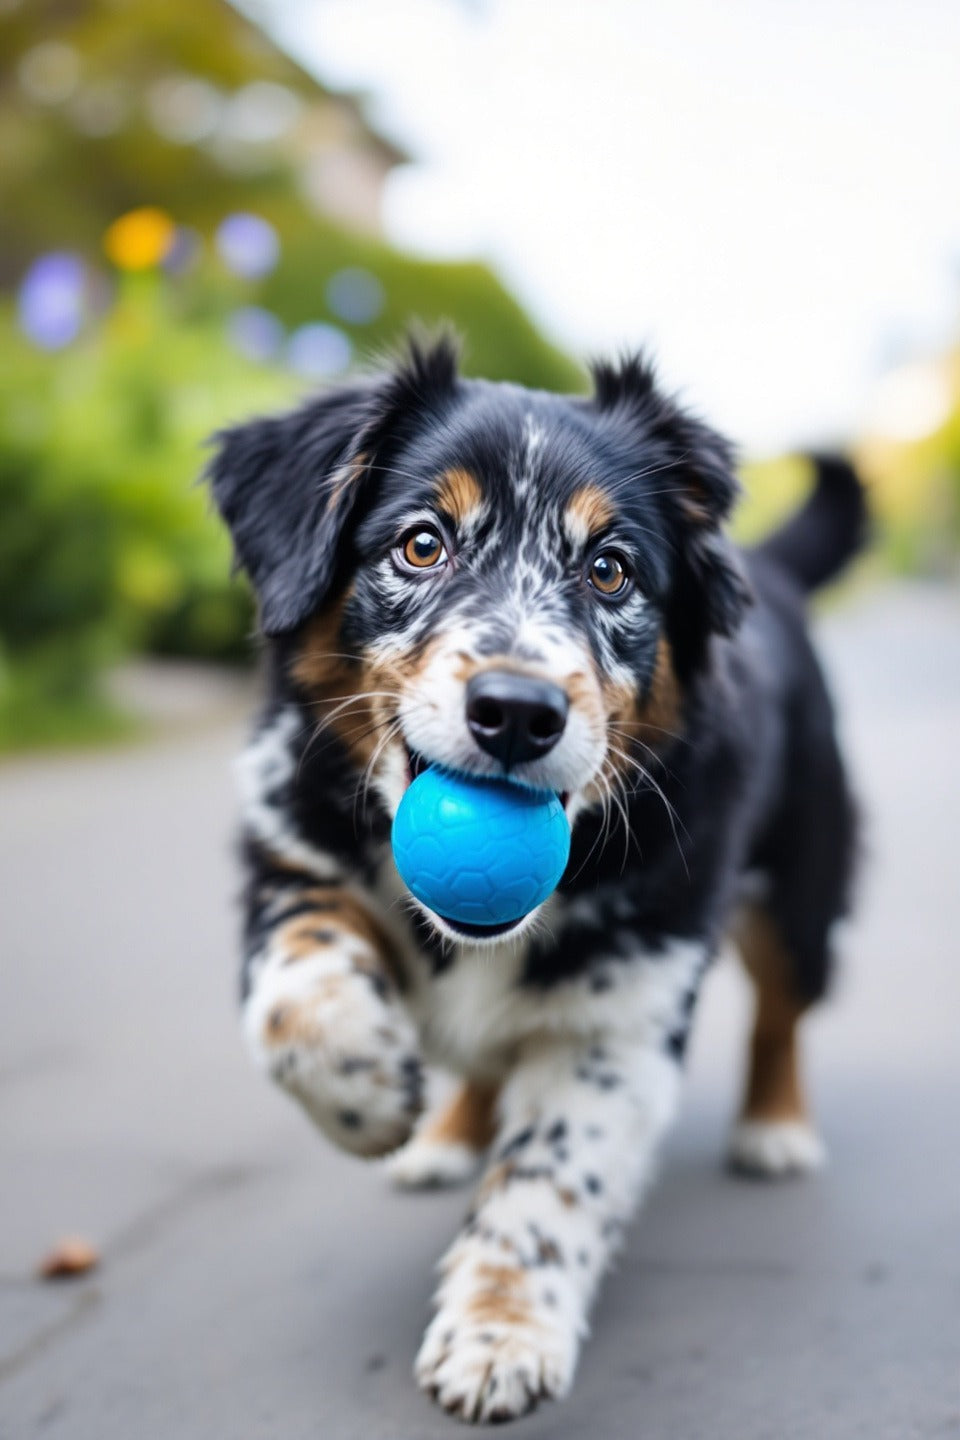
<point x="106" y="544"/>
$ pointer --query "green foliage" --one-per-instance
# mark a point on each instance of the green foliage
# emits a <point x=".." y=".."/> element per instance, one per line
<point x="106" y="545"/>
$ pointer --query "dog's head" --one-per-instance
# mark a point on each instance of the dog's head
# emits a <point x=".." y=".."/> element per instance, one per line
<point x="497" y="579"/>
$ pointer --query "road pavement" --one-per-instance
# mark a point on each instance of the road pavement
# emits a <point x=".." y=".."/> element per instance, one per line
<point x="257" y="1285"/>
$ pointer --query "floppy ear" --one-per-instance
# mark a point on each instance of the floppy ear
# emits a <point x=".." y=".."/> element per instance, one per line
<point x="694" y="470"/>
<point x="289" y="486"/>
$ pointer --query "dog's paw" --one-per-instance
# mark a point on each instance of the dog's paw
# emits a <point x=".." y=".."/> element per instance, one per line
<point x="334" y="1037"/>
<point x="489" y="1373"/>
<point x="775" y="1148"/>
<point x="425" y="1164"/>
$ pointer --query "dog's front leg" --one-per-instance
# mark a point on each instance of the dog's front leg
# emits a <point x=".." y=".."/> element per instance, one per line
<point x="580" y="1123"/>
<point x="322" y="1014"/>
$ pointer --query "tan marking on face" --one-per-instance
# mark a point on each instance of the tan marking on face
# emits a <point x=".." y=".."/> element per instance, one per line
<point x="466" y="1119"/>
<point x="661" y="712"/>
<point x="568" y="1198"/>
<point x="586" y="697"/>
<point x="587" y="512"/>
<point x="330" y="675"/>
<point x="459" y="493"/>
<point x="321" y="666"/>
<point x="773" y="1090"/>
<point x="650" y="720"/>
<point x="502" y="1298"/>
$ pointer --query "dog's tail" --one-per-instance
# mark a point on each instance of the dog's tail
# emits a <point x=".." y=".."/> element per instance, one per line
<point x="827" y="531"/>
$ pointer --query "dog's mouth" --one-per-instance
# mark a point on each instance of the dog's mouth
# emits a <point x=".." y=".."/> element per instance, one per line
<point x="463" y="929"/>
<point x="478" y="932"/>
<point x="417" y="763"/>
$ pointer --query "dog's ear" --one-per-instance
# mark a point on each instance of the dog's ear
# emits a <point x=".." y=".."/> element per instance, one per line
<point x="692" y="469"/>
<point x="289" y="486"/>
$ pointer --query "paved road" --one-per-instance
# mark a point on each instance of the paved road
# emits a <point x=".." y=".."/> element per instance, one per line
<point x="256" y="1284"/>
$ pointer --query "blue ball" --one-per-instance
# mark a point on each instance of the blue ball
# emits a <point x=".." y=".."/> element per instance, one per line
<point x="479" y="851"/>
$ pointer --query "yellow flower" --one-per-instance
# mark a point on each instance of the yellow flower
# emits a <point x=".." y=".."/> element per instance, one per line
<point x="140" y="239"/>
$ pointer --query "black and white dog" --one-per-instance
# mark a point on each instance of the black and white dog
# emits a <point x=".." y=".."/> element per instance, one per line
<point x="406" y="534"/>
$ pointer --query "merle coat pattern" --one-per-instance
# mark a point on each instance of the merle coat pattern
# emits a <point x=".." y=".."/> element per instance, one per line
<point x="405" y="533"/>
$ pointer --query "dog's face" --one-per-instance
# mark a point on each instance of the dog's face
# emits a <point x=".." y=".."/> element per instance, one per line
<point x="498" y="580"/>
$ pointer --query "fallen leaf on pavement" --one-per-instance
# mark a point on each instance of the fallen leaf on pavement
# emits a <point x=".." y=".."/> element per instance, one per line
<point x="71" y="1256"/>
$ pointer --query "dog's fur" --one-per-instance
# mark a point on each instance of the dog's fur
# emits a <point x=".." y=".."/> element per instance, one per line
<point x="698" y="766"/>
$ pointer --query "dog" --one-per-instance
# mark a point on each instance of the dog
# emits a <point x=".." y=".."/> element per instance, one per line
<point x="415" y="540"/>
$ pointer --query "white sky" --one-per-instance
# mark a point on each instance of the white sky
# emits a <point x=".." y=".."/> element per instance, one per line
<point x="766" y="190"/>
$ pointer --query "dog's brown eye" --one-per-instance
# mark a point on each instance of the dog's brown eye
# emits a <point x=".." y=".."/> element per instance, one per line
<point x="423" y="549"/>
<point x="608" y="574"/>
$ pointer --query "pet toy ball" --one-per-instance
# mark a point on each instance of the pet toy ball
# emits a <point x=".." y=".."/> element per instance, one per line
<point x="479" y="851"/>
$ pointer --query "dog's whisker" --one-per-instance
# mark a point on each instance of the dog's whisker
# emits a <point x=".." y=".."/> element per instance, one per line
<point x="392" y="732"/>
<point x="672" y="815"/>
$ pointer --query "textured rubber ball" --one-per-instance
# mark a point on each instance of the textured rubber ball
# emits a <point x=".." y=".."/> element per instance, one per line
<point x="480" y="851"/>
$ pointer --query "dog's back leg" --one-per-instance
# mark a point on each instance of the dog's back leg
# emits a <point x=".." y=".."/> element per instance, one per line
<point x="450" y="1143"/>
<point x="774" y="1134"/>
<point x="805" y="859"/>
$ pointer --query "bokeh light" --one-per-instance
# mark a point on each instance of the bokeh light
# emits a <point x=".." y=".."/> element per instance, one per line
<point x="49" y="72"/>
<point x="255" y="333"/>
<point x="355" y="296"/>
<point x="248" y="245"/>
<point x="140" y="239"/>
<point x="910" y="402"/>
<point x="318" y="351"/>
<point x="100" y="109"/>
<point x="259" y="113"/>
<point x="51" y="300"/>
<point x="183" y="109"/>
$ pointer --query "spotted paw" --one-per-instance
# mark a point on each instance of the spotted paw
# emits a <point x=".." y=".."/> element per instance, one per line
<point x="334" y="1036"/>
<point x="495" y="1371"/>
<point x="775" y="1148"/>
<point x="425" y="1164"/>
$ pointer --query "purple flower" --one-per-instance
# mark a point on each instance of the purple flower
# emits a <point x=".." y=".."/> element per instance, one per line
<point x="51" y="300"/>
<point x="248" y="245"/>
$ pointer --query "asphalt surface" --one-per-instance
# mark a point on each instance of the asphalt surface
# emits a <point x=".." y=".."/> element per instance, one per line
<point x="255" y="1283"/>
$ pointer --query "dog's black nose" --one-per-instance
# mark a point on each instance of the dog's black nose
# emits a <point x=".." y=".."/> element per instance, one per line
<point x="515" y="717"/>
